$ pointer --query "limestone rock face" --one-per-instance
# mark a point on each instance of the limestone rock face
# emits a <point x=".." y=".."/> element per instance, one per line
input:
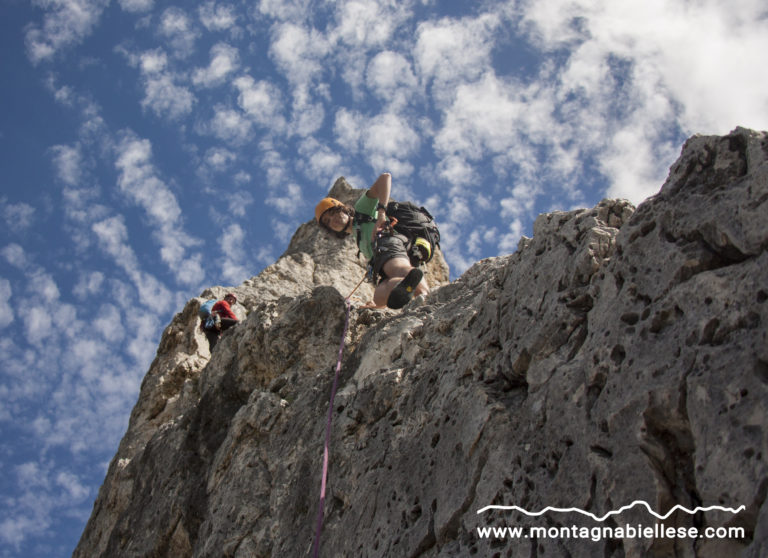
<point x="618" y="355"/>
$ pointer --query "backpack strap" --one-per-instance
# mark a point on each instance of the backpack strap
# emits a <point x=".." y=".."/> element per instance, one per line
<point x="361" y="218"/>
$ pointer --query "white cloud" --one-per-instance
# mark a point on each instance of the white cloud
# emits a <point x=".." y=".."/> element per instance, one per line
<point x="15" y="255"/>
<point x="93" y="129"/>
<point x="307" y="118"/>
<point x="17" y="216"/>
<point x="514" y="127"/>
<point x="452" y="51"/>
<point x="390" y="77"/>
<point x="484" y="116"/>
<point x="67" y="372"/>
<point x="242" y="177"/>
<point x="632" y="163"/>
<point x="89" y="284"/>
<point x="31" y="475"/>
<point x="87" y="391"/>
<point x="636" y="69"/>
<point x="351" y="65"/>
<point x="78" y="196"/>
<point x="139" y="181"/>
<point x="284" y="9"/>
<point x="460" y="212"/>
<point x="286" y="199"/>
<point x="112" y="235"/>
<point x="554" y="23"/>
<point x="88" y="351"/>
<point x="107" y="322"/>
<point x="26" y="514"/>
<point x="6" y="310"/>
<point x="368" y="24"/>
<point x="272" y="163"/>
<point x="44" y="311"/>
<point x="455" y="171"/>
<point x="68" y="163"/>
<point x="151" y="61"/>
<point x="136" y="5"/>
<point x="521" y="202"/>
<point x="699" y="53"/>
<point x="238" y="202"/>
<point x="190" y="270"/>
<point x="219" y="159"/>
<point x="283" y="231"/>
<point x="14" y="530"/>
<point x="42" y="286"/>
<point x="299" y="53"/>
<point x="261" y="101"/>
<point x="231" y="243"/>
<point x="143" y="345"/>
<point x="66" y="22"/>
<point x="72" y="485"/>
<point x="224" y="61"/>
<point x="474" y="240"/>
<point x="265" y="256"/>
<point x="166" y="98"/>
<point x="229" y="125"/>
<point x="508" y="241"/>
<point x="38" y="324"/>
<point x="163" y="94"/>
<point x="388" y="142"/>
<point x="217" y="17"/>
<point x="318" y="162"/>
<point x="79" y="206"/>
<point x="65" y="94"/>
<point x="347" y="129"/>
<point x="452" y="235"/>
<point x="177" y="28"/>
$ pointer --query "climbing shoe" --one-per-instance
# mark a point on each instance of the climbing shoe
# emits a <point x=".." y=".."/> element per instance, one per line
<point x="403" y="291"/>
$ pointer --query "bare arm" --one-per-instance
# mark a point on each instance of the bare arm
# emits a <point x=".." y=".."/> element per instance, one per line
<point x="381" y="188"/>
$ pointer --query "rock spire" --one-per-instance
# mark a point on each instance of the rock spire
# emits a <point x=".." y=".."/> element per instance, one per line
<point x="619" y="355"/>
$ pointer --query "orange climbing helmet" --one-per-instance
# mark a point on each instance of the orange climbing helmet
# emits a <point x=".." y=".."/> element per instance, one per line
<point x="326" y="204"/>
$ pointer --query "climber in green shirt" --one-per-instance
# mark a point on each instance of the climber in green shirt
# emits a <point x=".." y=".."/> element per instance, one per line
<point x="398" y="280"/>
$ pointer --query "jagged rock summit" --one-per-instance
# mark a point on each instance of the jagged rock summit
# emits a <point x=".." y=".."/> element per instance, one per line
<point x="619" y="355"/>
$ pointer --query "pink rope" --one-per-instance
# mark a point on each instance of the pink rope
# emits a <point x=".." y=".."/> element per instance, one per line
<point x="326" y="450"/>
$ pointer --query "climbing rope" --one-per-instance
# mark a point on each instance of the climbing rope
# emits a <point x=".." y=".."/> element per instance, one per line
<point x="326" y="450"/>
<point x="356" y="287"/>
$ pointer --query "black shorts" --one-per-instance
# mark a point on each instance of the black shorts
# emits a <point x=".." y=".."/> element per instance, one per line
<point x="384" y="249"/>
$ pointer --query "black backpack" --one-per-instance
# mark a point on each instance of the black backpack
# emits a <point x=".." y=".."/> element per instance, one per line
<point x="413" y="222"/>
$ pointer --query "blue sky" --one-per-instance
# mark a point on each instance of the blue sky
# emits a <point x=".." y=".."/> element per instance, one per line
<point x="150" y="149"/>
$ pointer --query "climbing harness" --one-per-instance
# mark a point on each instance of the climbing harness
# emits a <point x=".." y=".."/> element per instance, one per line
<point x="326" y="449"/>
<point x="415" y="223"/>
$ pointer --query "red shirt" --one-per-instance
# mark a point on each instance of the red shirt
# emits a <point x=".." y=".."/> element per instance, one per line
<point x="222" y="309"/>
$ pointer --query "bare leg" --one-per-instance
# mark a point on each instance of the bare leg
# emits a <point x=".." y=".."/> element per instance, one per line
<point x="396" y="269"/>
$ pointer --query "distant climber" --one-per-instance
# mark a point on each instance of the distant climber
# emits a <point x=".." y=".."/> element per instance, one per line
<point x="394" y="237"/>
<point x="220" y="319"/>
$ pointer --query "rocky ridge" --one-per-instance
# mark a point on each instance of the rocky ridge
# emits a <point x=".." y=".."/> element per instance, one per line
<point x="618" y="355"/>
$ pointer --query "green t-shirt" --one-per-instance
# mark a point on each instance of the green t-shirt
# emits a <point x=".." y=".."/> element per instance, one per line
<point x="366" y="206"/>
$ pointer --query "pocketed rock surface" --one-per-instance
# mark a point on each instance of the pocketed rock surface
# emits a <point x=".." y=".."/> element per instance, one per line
<point x="619" y="355"/>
